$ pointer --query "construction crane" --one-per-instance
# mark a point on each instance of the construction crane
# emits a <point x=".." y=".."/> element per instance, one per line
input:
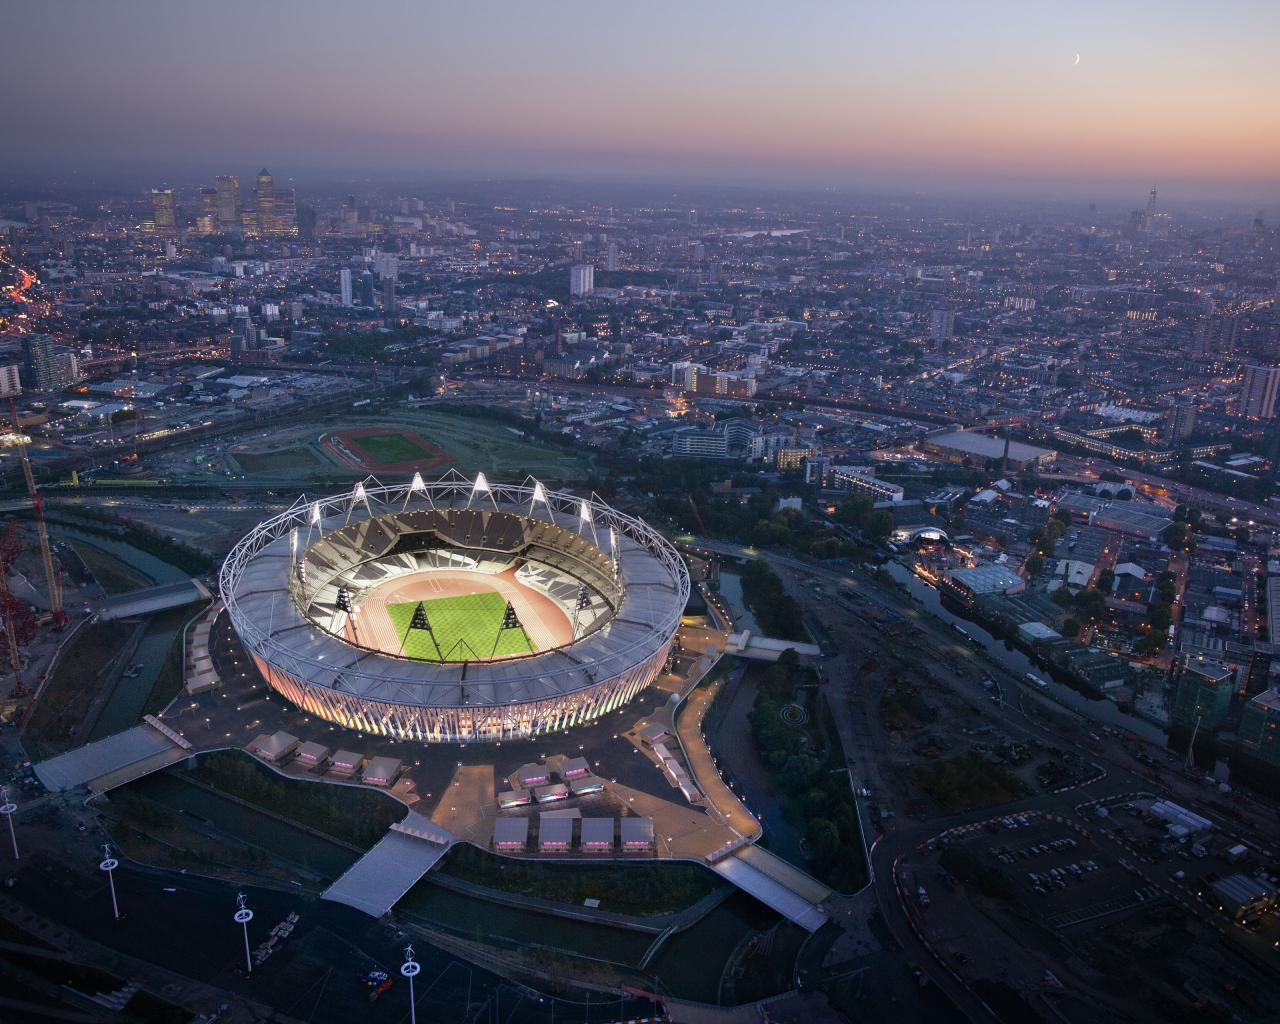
<point x="37" y="502"/>
<point x="19" y="620"/>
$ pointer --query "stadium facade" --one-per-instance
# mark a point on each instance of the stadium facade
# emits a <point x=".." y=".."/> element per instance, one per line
<point x="300" y="591"/>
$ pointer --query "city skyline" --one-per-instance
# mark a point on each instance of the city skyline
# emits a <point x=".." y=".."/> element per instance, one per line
<point x="929" y="98"/>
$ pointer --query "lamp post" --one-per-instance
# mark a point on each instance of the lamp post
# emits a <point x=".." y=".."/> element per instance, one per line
<point x="7" y="809"/>
<point x="109" y="865"/>
<point x="410" y="969"/>
<point x="242" y="917"/>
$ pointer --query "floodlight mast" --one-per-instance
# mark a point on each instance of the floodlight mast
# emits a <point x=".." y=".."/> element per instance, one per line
<point x="243" y="916"/>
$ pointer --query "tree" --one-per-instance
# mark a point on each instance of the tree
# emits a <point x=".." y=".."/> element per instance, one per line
<point x="1034" y="566"/>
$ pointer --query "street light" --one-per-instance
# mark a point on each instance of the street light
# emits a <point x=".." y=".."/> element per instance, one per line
<point x="242" y="917"/>
<point x="109" y="865"/>
<point x="410" y="969"/>
<point x="7" y="809"/>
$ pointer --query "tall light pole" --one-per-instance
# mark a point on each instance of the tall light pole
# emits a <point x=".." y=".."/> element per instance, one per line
<point x="109" y="865"/>
<point x="242" y="917"/>
<point x="410" y="969"/>
<point x="7" y="808"/>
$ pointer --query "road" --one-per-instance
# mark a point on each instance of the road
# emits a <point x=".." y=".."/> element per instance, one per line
<point x="1022" y="712"/>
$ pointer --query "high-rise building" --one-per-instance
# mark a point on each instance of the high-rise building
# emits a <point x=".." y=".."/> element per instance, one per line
<point x="264" y="200"/>
<point x="163" y="212"/>
<point x="611" y="257"/>
<point x="1259" y="390"/>
<point x="344" y="285"/>
<point x="387" y="264"/>
<point x="68" y="367"/>
<point x="366" y="289"/>
<point x="40" y="363"/>
<point x="389" y="294"/>
<point x="1259" y="733"/>
<point x="207" y="218"/>
<point x="1203" y="694"/>
<point x="582" y="278"/>
<point x="227" y="187"/>
<point x="10" y="380"/>
<point x="942" y="324"/>
<point x="1180" y="421"/>
<point x="284" y="213"/>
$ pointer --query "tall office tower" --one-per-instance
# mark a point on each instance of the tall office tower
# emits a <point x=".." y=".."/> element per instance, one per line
<point x="1258" y="393"/>
<point x="1148" y="221"/>
<point x="307" y="223"/>
<point x="163" y="213"/>
<point x="40" y="362"/>
<point x="387" y="265"/>
<point x="366" y="289"/>
<point x="611" y="257"/>
<point x="942" y="324"/>
<point x="344" y="285"/>
<point x="284" y="215"/>
<point x="227" y="186"/>
<point x="68" y="367"/>
<point x="389" y="294"/>
<point x="713" y="272"/>
<point x="242" y="327"/>
<point x="264" y="200"/>
<point x="1181" y="419"/>
<point x="207" y="218"/>
<point x="582" y="279"/>
<point x="10" y="380"/>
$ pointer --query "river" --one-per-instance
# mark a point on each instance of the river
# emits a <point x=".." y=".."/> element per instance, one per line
<point x="1019" y="664"/>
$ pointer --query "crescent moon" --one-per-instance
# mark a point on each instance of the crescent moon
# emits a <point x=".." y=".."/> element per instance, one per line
<point x="1076" y="61"/>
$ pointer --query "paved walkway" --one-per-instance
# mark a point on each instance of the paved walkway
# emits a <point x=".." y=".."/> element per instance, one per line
<point x="702" y="766"/>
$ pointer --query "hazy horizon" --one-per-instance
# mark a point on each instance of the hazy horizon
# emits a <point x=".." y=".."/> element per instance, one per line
<point x="928" y="98"/>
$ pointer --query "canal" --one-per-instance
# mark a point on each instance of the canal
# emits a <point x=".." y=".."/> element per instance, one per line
<point x="1019" y="664"/>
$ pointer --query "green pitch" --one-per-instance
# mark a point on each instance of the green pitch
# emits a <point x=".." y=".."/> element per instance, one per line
<point x="392" y="448"/>
<point x="465" y="628"/>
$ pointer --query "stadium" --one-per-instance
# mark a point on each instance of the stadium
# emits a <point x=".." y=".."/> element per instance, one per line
<point x="455" y="610"/>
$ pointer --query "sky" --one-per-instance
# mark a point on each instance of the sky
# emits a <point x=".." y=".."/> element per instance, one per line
<point x="950" y="97"/>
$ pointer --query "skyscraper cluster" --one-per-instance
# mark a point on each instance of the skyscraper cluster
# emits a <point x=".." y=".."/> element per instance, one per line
<point x="221" y="210"/>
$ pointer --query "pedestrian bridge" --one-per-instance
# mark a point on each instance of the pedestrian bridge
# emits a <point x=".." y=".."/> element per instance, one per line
<point x="114" y="760"/>
<point x="776" y="884"/>
<point x="765" y="648"/>
<point x="392" y="866"/>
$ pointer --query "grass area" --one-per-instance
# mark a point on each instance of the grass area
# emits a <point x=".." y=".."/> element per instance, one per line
<point x="71" y="689"/>
<point x="465" y="628"/>
<point x="502" y="452"/>
<point x="352" y="814"/>
<point x="967" y="782"/>
<point x="640" y="889"/>
<point x="284" y="462"/>
<point x="806" y="770"/>
<point x="151" y="833"/>
<point x="393" y="447"/>
<point x="113" y="574"/>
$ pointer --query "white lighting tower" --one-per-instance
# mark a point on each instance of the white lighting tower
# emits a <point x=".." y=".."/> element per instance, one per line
<point x="109" y="865"/>
<point x="7" y="808"/>
<point x="242" y="917"/>
<point x="410" y="969"/>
